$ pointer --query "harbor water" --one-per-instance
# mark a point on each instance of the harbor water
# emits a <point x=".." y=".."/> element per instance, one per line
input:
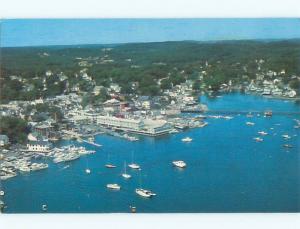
<point x="227" y="171"/>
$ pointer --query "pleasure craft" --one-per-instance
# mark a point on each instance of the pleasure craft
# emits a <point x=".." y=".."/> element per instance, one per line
<point x="262" y="133"/>
<point x="144" y="192"/>
<point x="134" y="166"/>
<point x="179" y="164"/>
<point x="110" y="166"/>
<point x="113" y="186"/>
<point x="187" y="139"/>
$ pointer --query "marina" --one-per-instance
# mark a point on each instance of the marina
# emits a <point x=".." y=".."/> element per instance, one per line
<point x="83" y="181"/>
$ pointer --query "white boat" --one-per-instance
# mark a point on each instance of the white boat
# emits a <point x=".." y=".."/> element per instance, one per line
<point x="258" y="139"/>
<point x="24" y="169"/>
<point x="187" y="139"/>
<point x="113" y="186"/>
<point x="286" y="136"/>
<point x="110" y="166"/>
<point x="125" y="174"/>
<point x="287" y="146"/>
<point x="250" y="123"/>
<point x="88" y="171"/>
<point x="173" y="131"/>
<point x="44" y="207"/>
<point x="144" y="192"/>
<point x="262" y="133"/>
<point x="2" y="193"/>
<point x="134" y="166"/>
<point x="179" y="164"/>
<point x="38" y="166"/>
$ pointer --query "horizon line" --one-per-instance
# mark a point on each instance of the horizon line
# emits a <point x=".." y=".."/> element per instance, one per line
<point x="148" y="42"/>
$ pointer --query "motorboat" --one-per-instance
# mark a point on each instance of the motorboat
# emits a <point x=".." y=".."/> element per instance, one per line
<point x="268" y="113"/>
<point x="179" y="164"/>
<point x="134" y="166"/>
<point x="2" y="193"/>
<point x="287" y="146"/>
<point x="187" y="139"/>
<point x="144" y="192"/>
<point x="113" y="186"/>
<point x="44" y="207"/>
<point x="88" y="171"/>
<point x="38" y="166"/>
<point x="110" y="166"/>
<point x="24" y="169"/>
<point x="250" y="123"/>
<point x="173" y="131"/>
<point x="286" y="136"/>
<point x="262" y="133"/>
<point x="258" y="139"/>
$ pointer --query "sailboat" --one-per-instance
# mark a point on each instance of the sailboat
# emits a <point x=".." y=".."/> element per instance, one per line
<point x="109" y="165"/>
<point x="125" y="174"/>
<point x="134" y="165"/>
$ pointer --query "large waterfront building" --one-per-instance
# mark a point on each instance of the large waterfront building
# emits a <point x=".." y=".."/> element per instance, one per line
<point x="38" y="146"/>
<point x="141" y="126"/>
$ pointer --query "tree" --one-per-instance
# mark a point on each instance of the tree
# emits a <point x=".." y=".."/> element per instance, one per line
<point x="15" y="128"/>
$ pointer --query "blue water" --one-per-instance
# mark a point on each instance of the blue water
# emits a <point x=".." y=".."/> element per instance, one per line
<point x="227" y="171"/>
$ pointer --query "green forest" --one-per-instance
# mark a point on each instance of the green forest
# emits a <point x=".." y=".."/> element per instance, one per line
<point x="144" y="63"/>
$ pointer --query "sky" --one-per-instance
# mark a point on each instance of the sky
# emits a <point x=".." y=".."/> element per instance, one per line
<point x="40" y="32"/>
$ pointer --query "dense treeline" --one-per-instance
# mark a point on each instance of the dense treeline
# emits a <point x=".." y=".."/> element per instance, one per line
<point x="15" y="128"/>
<point x="145" y="63"/>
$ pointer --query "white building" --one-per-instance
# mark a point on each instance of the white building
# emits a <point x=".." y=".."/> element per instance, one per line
<point x="38" y="146"/>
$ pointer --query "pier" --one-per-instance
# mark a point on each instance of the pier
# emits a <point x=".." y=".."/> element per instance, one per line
<point x="92" y="143"/>
<point x="228" y="112"/>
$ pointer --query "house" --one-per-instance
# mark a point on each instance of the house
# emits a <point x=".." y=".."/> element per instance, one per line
<point x="4" y="140"/>
<point x="115" y="87"/>
<point x="38" y="146"/>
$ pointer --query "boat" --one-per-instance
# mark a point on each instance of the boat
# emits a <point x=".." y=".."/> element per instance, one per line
<point x="268" y="113"/>
<point x="286" y="136"/>
<point x="38" y="166"/>
<point x="44" y="207"/>
<point x="144" y="192"/>
<point x="132" y="209"/>
<point x="88" y="171"/>
<point x="2" y="193"/>
<point x="179" y="164"/>
<point x="250" y="123"/>
<point x="125" y="174"/>
<point x="113" y="186"/>
<point x="110" y="166"/>
<point x="262" y="133"/>
<point x="91" y="139"/>
<point x="134" y="166"/>
<point x="24" y="169"/>
<point x="173" y="131"/>
<point x="258" y="139"/>
<point x="187" y="139"/>
<point x="249" y="115"/>
<point x="287" y="146"/>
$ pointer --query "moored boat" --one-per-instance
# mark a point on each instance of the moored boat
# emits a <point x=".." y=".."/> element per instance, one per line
<point x="179" y="164"/>
<point x="134" y="166"/>
<point x="187" y="139"/>
<point x="258" y="139"/>
<point x="113" y="186"/>
<point x="144" y="192"/>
